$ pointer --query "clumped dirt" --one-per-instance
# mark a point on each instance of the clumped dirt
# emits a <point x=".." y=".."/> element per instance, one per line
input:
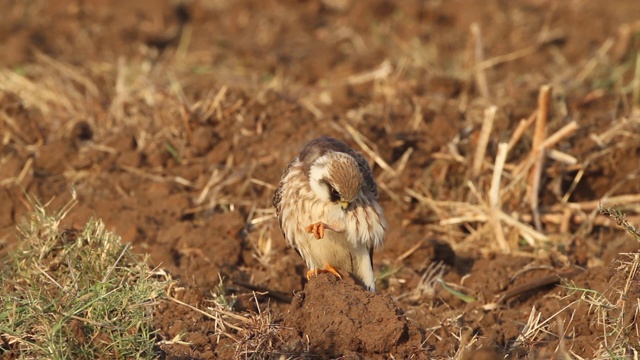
<point x="343" y="319"/>
<point x="172" y="122"/>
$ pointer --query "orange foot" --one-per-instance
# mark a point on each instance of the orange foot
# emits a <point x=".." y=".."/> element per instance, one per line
<point x="317" y="229"/>
<point x="327" y="269"/>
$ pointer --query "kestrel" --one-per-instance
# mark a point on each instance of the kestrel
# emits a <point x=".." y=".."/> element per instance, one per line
<point x="327" y="207"/>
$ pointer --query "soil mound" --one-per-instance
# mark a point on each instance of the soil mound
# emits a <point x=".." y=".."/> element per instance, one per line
<point x="338" y="317"/>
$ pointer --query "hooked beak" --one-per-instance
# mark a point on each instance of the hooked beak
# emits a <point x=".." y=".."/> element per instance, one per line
<point x="344" y="204"/>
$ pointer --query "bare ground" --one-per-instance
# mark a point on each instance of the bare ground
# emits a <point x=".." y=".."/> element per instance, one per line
<point x="173" y="122"/>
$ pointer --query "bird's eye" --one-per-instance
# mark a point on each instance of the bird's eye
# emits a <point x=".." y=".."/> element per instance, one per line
<point x="334" y="194"/>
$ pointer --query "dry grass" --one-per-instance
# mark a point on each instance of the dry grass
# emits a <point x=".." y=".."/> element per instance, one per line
<point x="486" y="213"/>
<point x="614" y="313"/>
<point x="254" y="334"/>
<point x="493" y="204"/>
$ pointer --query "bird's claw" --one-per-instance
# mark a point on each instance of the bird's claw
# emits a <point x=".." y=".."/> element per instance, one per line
<point x="317" y="229"/>
<point x="327" y="269"/>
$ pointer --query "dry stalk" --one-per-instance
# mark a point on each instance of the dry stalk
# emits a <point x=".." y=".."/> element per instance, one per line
<point x="25" y="170"/>
<point x="521" y="169"/>
<point x="624" y="36"/>
<point x="517" y="54"/>
<point x="392" y="194"/>
<point x="215" y="105"/>
<point x="432" y="204"/>
<point x="259" y="336"/>
<point x="157" y="178"/>
<point x="530" y="235"/>
<point x="535" y="330"/>
<point x="464" y="218"/>
<point x="218" y="316"/>
<point x="561" y="157"/>
<point x="417" y="118"/>
<point x="540" y="132"/>
<point x="210" y="105"/>
<point x="604" y="138"/>
<point x="595" y="204"/>
<point x="563" y="219"/>
<point x="361" y="140"/>
<point x="262" y="246"/>
<point x="611" y="313"/>
<point x="635" y="95"/>
<point x="454" y="153"/>
<point x="216" y="177"/>
<point x="464" y="212"/>
<point x="401" y="164"/>
<point x="478" y="57"/>
<point x="381" y="72"/>
<point x="594" y="61"/>
<point x="483" y="140"/>
<point x="564" y="132"/>
<point x="523" y="125"/>
<point x="262" y="183"/>
<point x="537" y="153"/>
<point x="494" y="198"/>
<point x="512" y="56"/>
<point x="68" y="71"/>
<point x="427" y="284"/>
<point x="408" y="253"/>
<point x="312" y="108"/>
<point x="34" y="95"/>
<point x="15" y="131"/>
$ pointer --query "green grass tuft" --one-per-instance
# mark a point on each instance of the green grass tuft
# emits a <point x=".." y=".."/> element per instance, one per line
<point x="75" y="294"/>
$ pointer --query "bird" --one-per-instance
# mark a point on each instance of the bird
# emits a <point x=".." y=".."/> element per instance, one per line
<point x="327" y="207"/>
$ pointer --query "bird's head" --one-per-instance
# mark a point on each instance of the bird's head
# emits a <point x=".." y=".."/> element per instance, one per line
<point x="336" y="177"/>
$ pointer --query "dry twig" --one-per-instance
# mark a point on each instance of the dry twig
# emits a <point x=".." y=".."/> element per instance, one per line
<point x="483" y="140"/>
<point x="537" y="153"/>
<point x="478" y="57"/>
<point x="494" y="197"/>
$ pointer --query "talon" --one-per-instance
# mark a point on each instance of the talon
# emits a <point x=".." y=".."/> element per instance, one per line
<point x="327" y="269"/>
<point x="330" y="269"/>
<point x="317" y="229"/>
<point x="310" y="273"/>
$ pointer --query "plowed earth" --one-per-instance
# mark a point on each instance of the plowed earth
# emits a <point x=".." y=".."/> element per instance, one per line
<point x="173" y="122"/>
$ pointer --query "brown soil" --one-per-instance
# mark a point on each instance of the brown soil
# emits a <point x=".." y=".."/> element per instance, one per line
<point x="174" y="122"/>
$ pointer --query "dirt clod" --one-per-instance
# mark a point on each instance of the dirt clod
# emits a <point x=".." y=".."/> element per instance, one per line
<point x="333" y="317"/>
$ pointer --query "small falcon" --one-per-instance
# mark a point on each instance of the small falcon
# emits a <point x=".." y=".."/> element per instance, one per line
<point x="327" y="207"/>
